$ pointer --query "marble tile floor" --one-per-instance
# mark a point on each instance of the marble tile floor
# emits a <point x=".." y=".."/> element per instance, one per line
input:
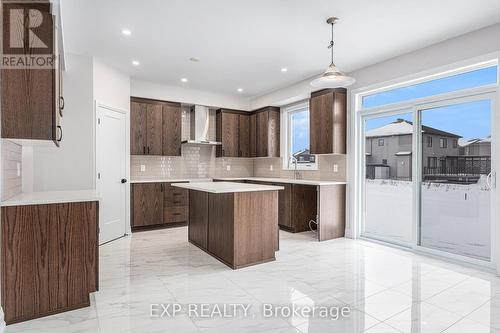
<point x="386" y="289"/>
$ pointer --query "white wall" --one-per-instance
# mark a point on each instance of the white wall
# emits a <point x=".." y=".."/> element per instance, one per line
<point x="186" y="95"/>
<point x="463" y="47"/>
<point x="69" y="167"/>
<point x="111" y="87"/>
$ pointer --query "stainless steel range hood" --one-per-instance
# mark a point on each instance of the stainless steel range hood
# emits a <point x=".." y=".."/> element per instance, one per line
<point x="199" y="116"/>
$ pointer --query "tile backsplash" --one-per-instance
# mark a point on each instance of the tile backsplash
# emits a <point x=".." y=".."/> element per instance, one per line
<point x="195" y="162"/>
<point x="11" y="169"/>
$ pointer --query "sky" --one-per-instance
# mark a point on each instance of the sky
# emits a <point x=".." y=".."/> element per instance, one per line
<point x="300" y="131"/>
<point x="469" y="120"/>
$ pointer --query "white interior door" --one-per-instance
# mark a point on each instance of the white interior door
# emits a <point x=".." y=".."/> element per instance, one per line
<point x="111" y="173"/>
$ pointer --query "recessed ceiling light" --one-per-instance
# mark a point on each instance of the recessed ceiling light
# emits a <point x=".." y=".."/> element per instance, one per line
<point x="184" y="80"/>
<point x="135" y="63"/>
<point x="126" y="32"/>
<point x="284" y="70"/>
<point x="240" y="89"/>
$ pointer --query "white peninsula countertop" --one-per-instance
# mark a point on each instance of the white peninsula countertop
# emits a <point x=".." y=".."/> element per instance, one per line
<point x="227" y="187"/>
<point x="51" y="197"/>
<point x="286" y="181"/>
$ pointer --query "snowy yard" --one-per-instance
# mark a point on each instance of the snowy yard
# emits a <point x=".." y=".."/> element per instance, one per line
<point x="455" y="218"/>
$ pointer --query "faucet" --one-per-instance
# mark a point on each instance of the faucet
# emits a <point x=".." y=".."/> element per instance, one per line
<point x="293" y="160"/>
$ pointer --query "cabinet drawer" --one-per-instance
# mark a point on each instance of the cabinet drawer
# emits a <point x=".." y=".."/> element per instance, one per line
<point x="176" y="197"/>
<point x="175" y="214"/>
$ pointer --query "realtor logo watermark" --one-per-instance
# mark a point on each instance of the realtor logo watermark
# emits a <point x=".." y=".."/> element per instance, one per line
<point x="236" y="310"/>
<point x="28" y="38"/>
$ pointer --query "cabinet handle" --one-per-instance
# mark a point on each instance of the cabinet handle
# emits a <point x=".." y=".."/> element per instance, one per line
<point x="61" y="133"/>
<point x="177" y="194"/>
<point x="61" y="102"/>
<point x="161" y="185"/>
<point x="223" y="152"/>
<point x="148" y="150"/>
<point x="180" y="152"/>
<point x="176" y="214"/>
<point x="177" y="202"/>
<point x="144" y="150"/>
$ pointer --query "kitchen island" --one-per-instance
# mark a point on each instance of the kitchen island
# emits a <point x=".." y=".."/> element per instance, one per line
<point x="235" y="223"/>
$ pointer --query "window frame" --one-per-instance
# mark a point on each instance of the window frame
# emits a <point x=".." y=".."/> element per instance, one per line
<point x="443" y="143"/>
<point x="286" y="137"/>
<point x="381" y="142"/>
<point x="429" y="141"/>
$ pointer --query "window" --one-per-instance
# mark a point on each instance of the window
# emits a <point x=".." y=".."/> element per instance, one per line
<point x="429" y="141"/>
<point x="443" y="143"/>
<point x="384" y="161"/>
<point x="475" y="78"/>
<point x="431" y="162"/>
<point x="297" y="138"/>
<point x="455" y="143"/>
<point x="380" y="142"/>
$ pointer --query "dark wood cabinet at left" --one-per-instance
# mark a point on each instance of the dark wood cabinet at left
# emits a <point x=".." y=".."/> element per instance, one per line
<point x="155" y="127"/>
<point x="31" y="97"/>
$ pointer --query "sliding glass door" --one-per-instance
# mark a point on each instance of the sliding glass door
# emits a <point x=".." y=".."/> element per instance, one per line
<point x="455" y="160"/>
<point x="388" y="193"/>
<point x="429" y="177"/>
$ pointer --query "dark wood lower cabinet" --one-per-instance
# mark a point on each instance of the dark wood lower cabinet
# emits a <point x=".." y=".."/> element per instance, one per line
<point x="157" y="205"/>
<point x="49" y="258"/>
<point x="240" y="229"/>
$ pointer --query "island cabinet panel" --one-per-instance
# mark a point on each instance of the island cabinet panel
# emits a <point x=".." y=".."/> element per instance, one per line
<point x="198" y="219"/>
<point x="147" y="204"/>
<point x="239" y="229"/>
<point x="49" y="258"/>
<point x="255" y="229"/>
<point x="327" y="112"/>
<point x="221" y="227"/>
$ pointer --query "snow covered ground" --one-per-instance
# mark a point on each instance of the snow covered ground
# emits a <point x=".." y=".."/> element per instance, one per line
<point x="455" y="218"/>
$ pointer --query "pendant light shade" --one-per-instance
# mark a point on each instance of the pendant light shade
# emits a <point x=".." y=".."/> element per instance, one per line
<point x="332" y="77"/>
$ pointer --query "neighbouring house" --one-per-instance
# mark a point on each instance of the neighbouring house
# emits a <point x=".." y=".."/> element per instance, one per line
<point x="304" y="156"/>
<point x="475" y="147"/>
<point x="391" y="146"/>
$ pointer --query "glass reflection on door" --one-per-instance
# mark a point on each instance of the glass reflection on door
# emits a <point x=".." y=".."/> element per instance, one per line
<point x="388" y="191"/>
<point x="455" y="190"/>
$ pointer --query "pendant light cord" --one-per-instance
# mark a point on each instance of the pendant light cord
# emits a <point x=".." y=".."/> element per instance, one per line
<point x="331" y="45"/>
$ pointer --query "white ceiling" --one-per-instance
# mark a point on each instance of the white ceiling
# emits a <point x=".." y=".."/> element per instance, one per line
<point x="244" y="44"/>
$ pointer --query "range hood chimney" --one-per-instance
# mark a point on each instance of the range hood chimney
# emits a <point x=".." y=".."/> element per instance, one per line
<point x="199" y="125"/>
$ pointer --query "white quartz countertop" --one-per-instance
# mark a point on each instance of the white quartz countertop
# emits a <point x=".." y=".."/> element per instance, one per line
<point x="286" y="181"/>
<point x="50" y="197"/>
<point x="227" y="187"/>
<point x="170" y="180"/>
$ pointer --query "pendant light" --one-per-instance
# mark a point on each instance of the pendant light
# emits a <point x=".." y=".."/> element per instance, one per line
<point x="332" y="77"/>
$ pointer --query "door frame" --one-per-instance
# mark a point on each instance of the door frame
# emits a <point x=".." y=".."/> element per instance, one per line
<point x="97" y="105"/>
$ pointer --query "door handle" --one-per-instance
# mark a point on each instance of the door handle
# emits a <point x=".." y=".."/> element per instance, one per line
<point x="123" y="181"/>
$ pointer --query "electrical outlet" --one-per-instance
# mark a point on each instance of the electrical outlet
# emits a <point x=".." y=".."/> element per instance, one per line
<point x="271" y="167"/>
<point x="18" y="167"/>
<point x="143" y="167"/>
<point x="335" y="168"/>
<point x="228" y="167"/>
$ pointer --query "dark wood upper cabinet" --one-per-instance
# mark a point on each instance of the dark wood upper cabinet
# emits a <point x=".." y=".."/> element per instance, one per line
<point x="244" y="135"/>
<point x="327" y="122"/>
<point x="253" y="135"/>
<point x="154" y="133"/>
<point x="227" y="132"/>
<point x="138" y="128"/>
<point x="147" y="204"/>
<point x="30" y="107"/>
<point x="172" y="124"/>
<point x="248" y="134"/>
<point x="155" y="127"/>
<point x="267" y="132"/>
